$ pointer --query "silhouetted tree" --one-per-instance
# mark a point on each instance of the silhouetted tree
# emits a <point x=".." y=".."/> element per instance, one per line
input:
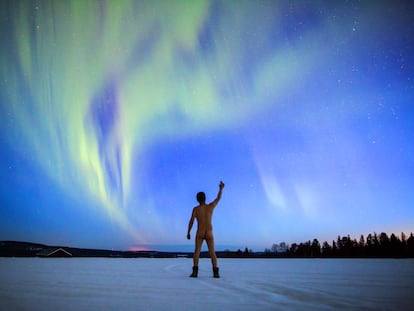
<point x="373" y="246"/>
<point x="315" y="249"/>
<point x="345" y="246"/>
<point x="384" y="240"/>
<point x="376" y="245"/>
<point x="395" y="247"/>
<point x="334" y="249"/>
<point x="247" y="252"/>
<point x="403" y="245"/>
<point x="361" y="246"/>
<point x="369" y="246"/>
<point x="339" y="246"/>
<point x="403" y="240"/>
<point x="410" y="246"/>
<point x="361" y="241"/>
<point x="293" y="249"/>
<point x="283" y="247"/>
<point x="384" y="245"/>
<point x="326" y="249"/>
<point x="305" y="249"/>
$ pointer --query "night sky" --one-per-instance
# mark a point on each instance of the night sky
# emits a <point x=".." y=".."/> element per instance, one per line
<point x="114" y="114"/>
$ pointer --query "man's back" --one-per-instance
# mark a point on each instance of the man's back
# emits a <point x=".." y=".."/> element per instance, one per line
<point x="204" y="214"/>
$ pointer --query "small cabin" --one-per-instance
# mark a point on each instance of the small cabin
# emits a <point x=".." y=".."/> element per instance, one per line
<point x="54" y="253"/>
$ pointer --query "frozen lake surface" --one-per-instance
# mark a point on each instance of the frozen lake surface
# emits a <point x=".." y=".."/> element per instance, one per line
<point x="245" y="284"/>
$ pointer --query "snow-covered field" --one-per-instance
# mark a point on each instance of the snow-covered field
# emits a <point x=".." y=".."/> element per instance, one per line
<point x="245" y="284"/>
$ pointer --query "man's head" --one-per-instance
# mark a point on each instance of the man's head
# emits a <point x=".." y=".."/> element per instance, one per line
<point x="201" y="197"/>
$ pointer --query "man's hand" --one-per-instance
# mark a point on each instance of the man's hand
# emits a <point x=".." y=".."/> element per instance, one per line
<point x="188" y="236"/>
<point x="221" y="185"/>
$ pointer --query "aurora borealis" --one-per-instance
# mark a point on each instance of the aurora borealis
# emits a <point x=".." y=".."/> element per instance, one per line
<point x="115" y="113"/>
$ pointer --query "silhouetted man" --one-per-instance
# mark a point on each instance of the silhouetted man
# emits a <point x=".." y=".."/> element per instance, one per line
<point x="203" y="213"/>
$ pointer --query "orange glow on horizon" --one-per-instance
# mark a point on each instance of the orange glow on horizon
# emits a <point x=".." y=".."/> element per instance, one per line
<point x="137" y="248"/>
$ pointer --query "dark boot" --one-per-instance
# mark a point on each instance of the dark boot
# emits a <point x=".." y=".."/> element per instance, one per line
<point x="216" y="272"/>
<point x="195" y="272"/>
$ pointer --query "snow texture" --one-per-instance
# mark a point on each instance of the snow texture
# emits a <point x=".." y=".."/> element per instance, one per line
<point x="245" y="284"/>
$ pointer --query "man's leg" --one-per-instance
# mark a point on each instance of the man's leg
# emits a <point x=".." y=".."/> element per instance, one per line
<point x="210" y="244"/>
<point x="196" y="256"/>
<point x="198" y="243"/>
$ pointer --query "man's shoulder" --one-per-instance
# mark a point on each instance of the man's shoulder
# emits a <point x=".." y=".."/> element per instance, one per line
<point x="212" y="204"/>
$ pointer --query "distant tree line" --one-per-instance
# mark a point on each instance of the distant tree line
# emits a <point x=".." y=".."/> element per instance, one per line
<point x="373" y="246"/>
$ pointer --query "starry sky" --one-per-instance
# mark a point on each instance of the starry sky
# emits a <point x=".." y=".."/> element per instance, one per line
<point x="114" y="114"/>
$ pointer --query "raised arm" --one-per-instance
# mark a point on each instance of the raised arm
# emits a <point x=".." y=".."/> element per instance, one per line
<point x="217" y="199"/>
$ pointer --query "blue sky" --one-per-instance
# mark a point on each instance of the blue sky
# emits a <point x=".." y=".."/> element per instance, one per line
<point x="114" y="115"/>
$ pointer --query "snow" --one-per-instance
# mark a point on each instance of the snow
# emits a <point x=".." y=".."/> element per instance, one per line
<point x="245" y="284"/>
